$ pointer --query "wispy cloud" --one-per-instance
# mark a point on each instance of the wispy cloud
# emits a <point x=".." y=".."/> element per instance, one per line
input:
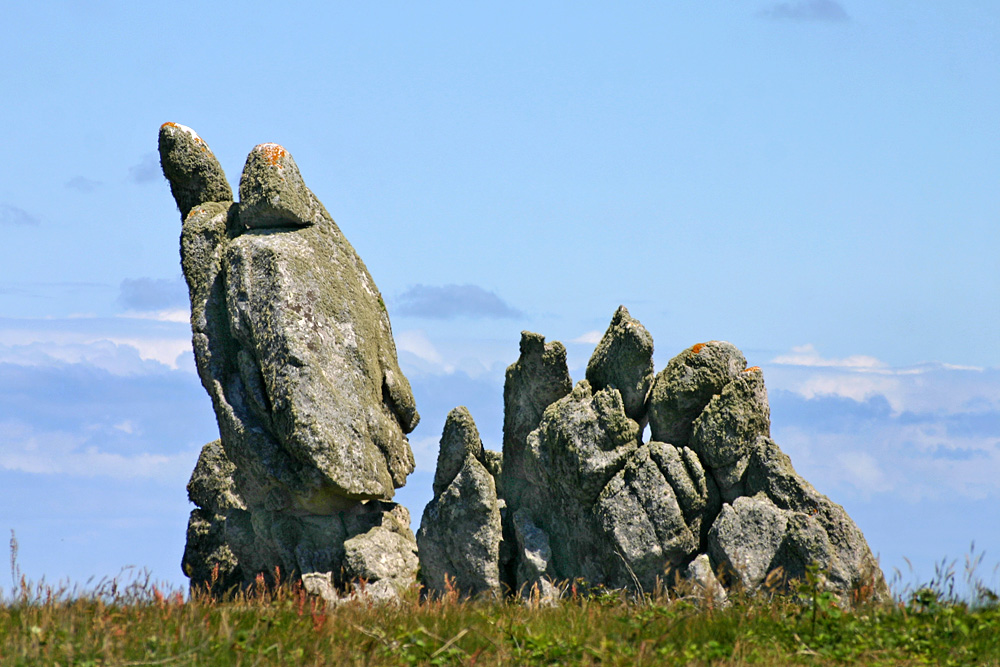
<point x="14" y="216"/>
<point x="146" y="171"/>
<point x="807" y="355"/>
<point x="450" y="301"/>
<point x="917" y="388"/>
<point x="806" y="10"/>
<point x="866" y="427"/>
<point x="589" y="338"/>
<point x="47" y="452"/>
<point x="153" y="294"/>
<point x="83" y="184"/>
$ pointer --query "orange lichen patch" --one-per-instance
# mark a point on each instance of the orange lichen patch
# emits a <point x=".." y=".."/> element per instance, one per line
<point x="752" y="369"/>
<point x="273" y="152"/>
<point x="168" y="125"/>
<point x="697" y="348"/>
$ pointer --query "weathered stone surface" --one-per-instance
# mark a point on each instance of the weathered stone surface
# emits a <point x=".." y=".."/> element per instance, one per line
<point x="639" y="513"/>
<point x="272" y="192"/>
<point x="623" y="359"/>
<point x="460" y="531"/>
<point x="535" y="381"/>
<point x="682" y="390"/>
<point x="843" y="553"/>
<point x="211" y="485"/>
<point x="583" y="441"/>
<point x="460" y="534"/>
<point x="709" y="492"/>
<point x="208" y="561"/>
<point x="194" y="174"/>
<point x="706" y="585"/>
<point x="746" y="537"/>
<point x="459" y="440"/>
<point x="696" y="492"/>
<point x="293" y="344"/>
<point x="381" y="555"/>
<point x="729" y="427"/>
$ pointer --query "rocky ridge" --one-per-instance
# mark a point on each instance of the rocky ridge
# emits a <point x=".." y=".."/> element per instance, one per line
<point x="293" y="344"/>
<point x="708" y="499"/>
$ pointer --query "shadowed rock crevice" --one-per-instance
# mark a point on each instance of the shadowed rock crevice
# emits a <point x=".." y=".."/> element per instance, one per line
<point x="294" y="346"/>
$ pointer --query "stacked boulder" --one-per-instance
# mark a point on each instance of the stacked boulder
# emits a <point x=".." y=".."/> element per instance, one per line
<point x="293" y="344"/>
<point x="709" y="498"/>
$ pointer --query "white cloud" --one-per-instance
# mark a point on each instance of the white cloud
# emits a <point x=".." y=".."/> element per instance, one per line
<point x="589" y="338"/>
<point x="807" y="355"/>
<point x="854" y="387"/>
<point x="416" y="343"/>
<point x="863" y="471"/>
<point x="119" y="346"/>
<point x="450" y="301"/>
<point x="918" y="388"/>
<point x="179" y="315"/>
<point x="163" y="350"/>
<point x="52" y="452"/>
<point x="117" y="359"/>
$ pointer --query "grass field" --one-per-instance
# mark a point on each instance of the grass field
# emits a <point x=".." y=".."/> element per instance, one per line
<point x="131" y="621"/>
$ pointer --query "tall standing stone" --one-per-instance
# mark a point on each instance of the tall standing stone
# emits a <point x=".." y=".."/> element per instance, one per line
<point x="293" y="344"/>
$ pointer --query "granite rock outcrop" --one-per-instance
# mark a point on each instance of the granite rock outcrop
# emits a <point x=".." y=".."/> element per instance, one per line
<point x="708" y="499"/>
<point x="293" y="343"/>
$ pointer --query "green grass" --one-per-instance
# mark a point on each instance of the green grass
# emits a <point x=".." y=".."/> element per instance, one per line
<point x="131" y="621"/>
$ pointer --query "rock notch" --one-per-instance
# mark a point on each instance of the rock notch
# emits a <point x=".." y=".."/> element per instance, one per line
<point x="710" y="499"/>
<point x="293" y="344"/>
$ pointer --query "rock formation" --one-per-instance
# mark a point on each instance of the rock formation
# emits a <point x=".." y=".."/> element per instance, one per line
<point x="460" y="533"/>
<point x="709" y="499"/>
<point x="293" y="344"/>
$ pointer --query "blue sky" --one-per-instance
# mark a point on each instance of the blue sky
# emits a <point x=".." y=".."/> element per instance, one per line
<point x="815" y="181"/>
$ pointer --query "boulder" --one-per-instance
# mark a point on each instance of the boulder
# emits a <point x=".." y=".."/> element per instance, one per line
<point x="535" y="381"/>
<point x="727" y="429"/>
<point x="460" y="531"/>
<point x="682" y="390"/>
<point x="195" y="175"/>
<point x="293" y="343"/>
<point x="623" y="359"/>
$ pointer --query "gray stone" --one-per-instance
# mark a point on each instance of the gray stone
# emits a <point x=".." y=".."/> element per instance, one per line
<point x="823" y="533"/>
<point x="272" y="192"/>
<point x="745" y="539"/>
<point x="211" y="485"/>
<point x="194" y="174"/>
<point x="696" y="492"/>
<point x="459" y="440"/>
<point x="730" y="426"/>
<point x="706" y="585"/>
<point x="208" y="560"/>
<point x="623" y="359"/>
<point x="460" y="535"/>
<point x="534" y="553"/>
<point x="293" y="344"/>
<point x="583" y="441"/>
<point x="535" y="381"/>
<point x="682" y="390"/>
<point x="460" y="531"/>
<point x="639" y="513"/>
<point x="381" y="555"/>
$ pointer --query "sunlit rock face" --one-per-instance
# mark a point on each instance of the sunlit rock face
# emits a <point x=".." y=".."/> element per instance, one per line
<point x="293" y="344"/>
<point x="710" y="499"/>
